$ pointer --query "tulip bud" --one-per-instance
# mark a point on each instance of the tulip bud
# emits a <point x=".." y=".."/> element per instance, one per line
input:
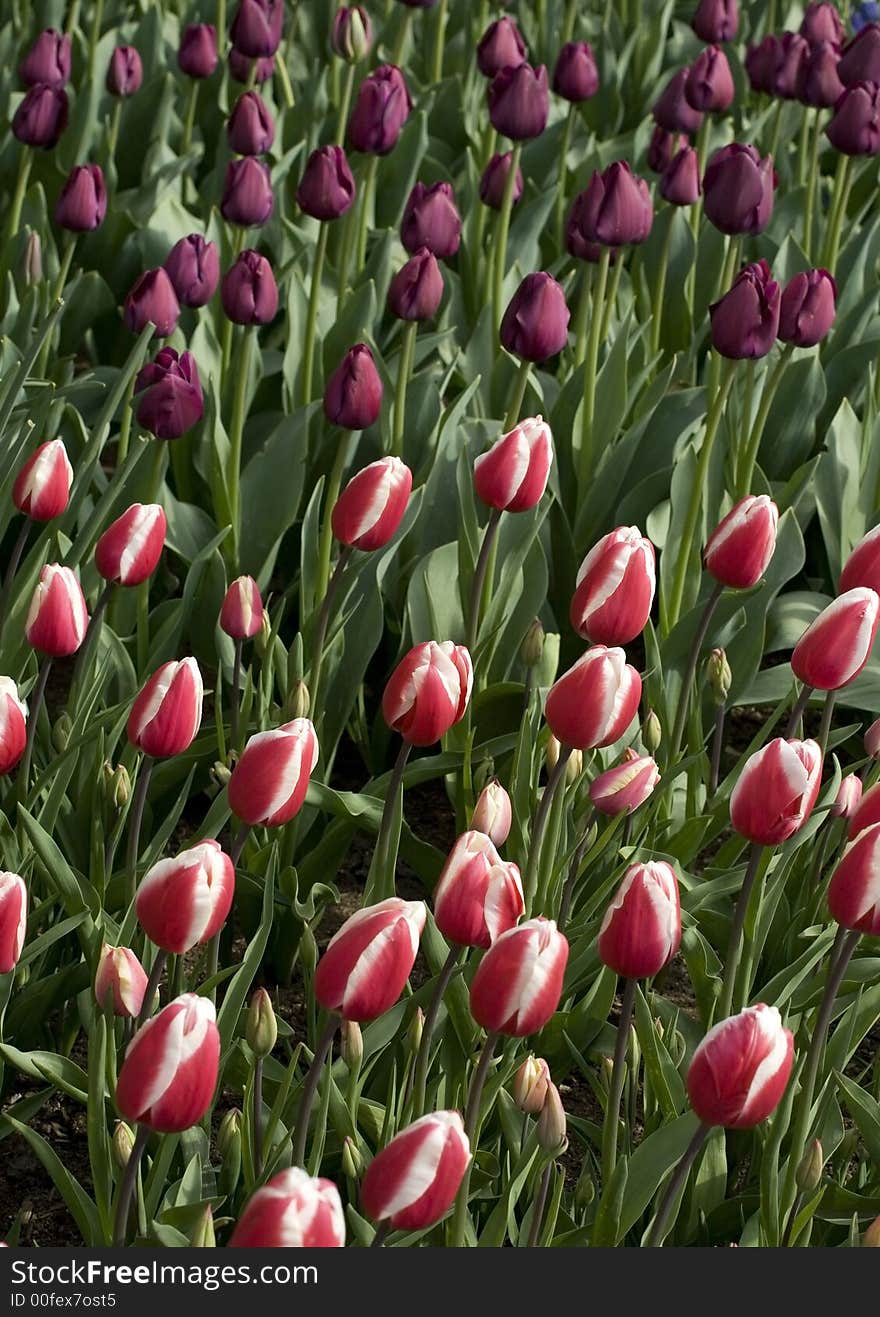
<point x="122" y="1143"/>
<point x="745" y="321"/>
<point x="413" y="1181"/>
<point x="738" y="190"/>
<point x="576" y="77"/>
<point x="129" y="550"/>
<point x="518" y="983"/>
<point x="807" y="308"/>
<point x="809" y="1171"/>
<point x="585" y="1189"/>
<point x="249" y="292"/>
<point x="740" y="1070"/>
<point x="615" y="210"/>
<point x="184" y="901"/>
<point x="42" y="487"/>
<point x="269" y="783"/>
<point x="152" y="300"/>
<point x="716" y="20"/>
<point x="351" y="1045"/>
<point x="662" y="149"/>
<point x="821" y="85"/>
<point x="739" y="550"/>
<point x="169" y="1074"/>
<point x="431" y="220"/>
<point x="369" y="510"/>
<point x="652" y="732"/>
<point x="13" y="725"/>
<point x="414" y="1032"/>
<point x="300" y="701"/>
<point x="501" y="46"/>
<point x="13" y="920"/>
<point x="673" y="111"/>
<point x="519" y="101"/>
<point x="822" y="22"/>
<point x="193" y="266"/>
<point x="41" y="117"/>
<point x="265" y="635"/>
<point x="641" y="931"/>
<point x="494" y="181"/>
<point x="551" y="1123"/>
<point x="351" y="37"/>
<point x="854" y="891"/>
<point x="47" y="61"/>
<point x="167" y="712"/>
<point x="125" y="72"/>
<point x="352" y="1161"/>
<point x="512" y="476"/>
<point x="615" y="588"/>
<point x="57" y="618"/>
<point x="680" y="181"/>
<point x="776" y="791"/>
<point x="535" y="324"/>
<point x="197" y="55"/>
<point x="368" y="961"/>
<point x="203" y="1231"/>
<point x="428" y="692"/>
<point x="493" y="813"/>
<point x="719" y="676"/>
<point x="82" y="202"/>
<point x="532" y="647"/>
<point x="250" y="129"/>
<point x="171" y="399"/>
<point x="709" y="86"/>
<point x="292" y="1210"/>
<point x="327" y="187"/>
<point x="247" y="193"/>
<point x="256" y="27"/>
<point x="30" y="269"/>
<point x="261" y="1029"/>
<point x="860" y="61"/>
<point x="478" y="896"/>
<point x="530" y="1085"/>
<point x="622" y="789"/>
<point x="788" y="78"/>
<point x="594" y="702"/>
<point x="353" y="395"/>
<point x="61" y="731"/>
<point x="118" y="787"/>
<point x="381" y="109"/>
<point x="837" y="644"/>
<point x="848" y="798"/>
<point x="241" y="615"/>
<point x="120" y="982"/>
<point x="416" y="291"/>
<point x="855" y="126"/>
<point x="229" y="1137"/>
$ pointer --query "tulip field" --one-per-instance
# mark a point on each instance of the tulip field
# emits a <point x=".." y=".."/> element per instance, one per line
<point x="439" y="700"/>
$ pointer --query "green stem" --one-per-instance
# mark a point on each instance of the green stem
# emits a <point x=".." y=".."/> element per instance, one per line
<point x="660" y="286"/>
<point x="113" y="134"/>
<point x="281" y="72"/>
<point x="404" y="370"/>
<point x="420" y="1070"/>
<point x="12" y="568"/>
<point x="753" y="443"/>
<point x="662" y="1223"/>
<point x="777" y="129"/>
<point x="472" y="1129"/>
<point x="503" y="232"/>
<point x="618" y="1075"/>
<point x="539" y="1206"/>
<point x="481" y="582"/>
<point x="257" y="1121"/>
<point x="533" y="865"/>
<point x="67" y="251"/>
<point x="842" y="185"/>
<point x="345" y="105"/>
<point x="384" y="863"/>
<point x="590" y="366"/>
<point x="563" y="172"/>
<point x="582" y="316"/>
<point x="190" y="119"/>
<point x="312" y="318"/>
<point x="95" y="35"/>
<point x="690" y="670"/>
<point x="126" y="1189"/>
<point x="236" y="434"/>
<point x="565" y="903"/>
<point x="611" y="296"/>
<point x="734" y="945"/>
<point x="797" y="710"/>
<point x="13" y="219"/>
<point x="825" y="725"/>
<point x="310" y="1088"/>
<point x="125" y="423"/>
<point x="138" y="805"/>
<point x="235" y="711"/>
<point x="324" y="616"/>
<point x="518" y="395"/>
<point x="153" y="983"/>
<point x="367" y="192"/>
<point x="813" y="181"/>
<point x="439" y="41"/>
<point x="35" y="704"/>
<point x="402" y="34"/>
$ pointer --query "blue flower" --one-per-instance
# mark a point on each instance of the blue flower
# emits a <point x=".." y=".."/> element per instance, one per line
<point x="867" y="12"/>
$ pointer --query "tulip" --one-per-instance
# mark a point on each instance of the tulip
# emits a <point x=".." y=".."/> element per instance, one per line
<point x="13" y="920"/>
<point x="249" y="292"/>
<point x="738" y="189"/>
<point x="193" y="266"/>
<point x="42" y="487"/>
<point x="822" y="23"/>
<point x="518" y="983"/>
<point x="248" y="71"/>
<point x="848" y="798"/>
<point x="641" y="930"/>
<point x="241" y="615"/>
<point x="855" y="127"/>
<point x="513" y="474"/>
<point x="167" y="711"/>
<point x="854" y="892"/>
<point x="673" y="111"/>
<point x="13" y="726"/>
<point x="860" y="60"/>
<point x="519" y="101"/>
<point x="327" y="188"/>
<point x="716" y="20"/>
<point x="709" y="85"/>
<point x="353" y="395"/>
<point x="369" y="510"/>
<point x="837" y="644"/>
<point x="576" y="77"/>
<point x="430" y="219"/>
<point x="791" y="67"/>
<point x="171" y="400"/>
<point x="250" y="129"/>
<point x="622" y="789"/>
<point x="577" y="243"/>
<point x="428" y="692"/>
<point x="594" y="702"/>
<point x="745" y="321"/>
<point x="663" y="148"/>
<point x="535" y="324"/>
<point x="82" y="202"/>
<point x="120" y="982"/>
<point x="872" y="740"/>
<point x="184" y="901"/>
<point x="680" y="181"/>
<point x="739" y="550"/>
<point x="478" y="895"/>
<point x="31" y="261"/>
<point x="807" y="308"/>
<point x="367" y="962"/>
<point x="862" y="567"/>
<point x="616" y="209"/>
<point x="493" y="813"/>
<point x="152" y="300"/>
<point x="169" y="1074"/>
<point x="351" y="36"/>
<point x="761" y="62"/>
<point x="197" y="55"/>
<point x="41" y="117"/>
<point x="125" y="72"/>
<point x="615" y="588"/>
<point x="47" y="61"/>
<point x="551" y="1128"/>
<point x="247" y="193"/>
<point x="494" y="181"/>
<point x="740" y="1070"/>
<point x="776" y="791"/>
<point x="530" y="1085"/>
<point x="261" y="1027"/>
<point x="292" y="1210"/>
<point x="256" y="27"/>
<point x="821" y="83"/>
<point x="57" y="618"/>
<point x="269" y="783"/>
<point x="501" y="46"/>
<point x="416" y="291"/>
<point x="414" y="1180"/>
<point x="381" y="109"/>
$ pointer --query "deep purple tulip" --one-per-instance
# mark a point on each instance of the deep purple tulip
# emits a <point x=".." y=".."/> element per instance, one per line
<point x="745" y="321"/>
<point x="327" y="188"/>
<point x="855" y="126"/>
<point x="788" y="80"/>
<point x="577" y="244"/>
<point x="576" y="76"/>
<point x="672" y="111"/>
<point x="152" y="301"/>
<point x="82" y="202"/>
<point x="416" y="291"/>
<point x="716" y="20"/>
<point x="249" y="292"/>
<point x="738" y="189"/>
<point x="761" y="63"/>
<point x="247" y="192"/>
<point x="821" y="85"/>
<point x="860" y="60"/>
<point x="171" y="399"/>
<point x="193" y="266"/>
<point x="250" y="129"/>
<point x="197" y="56"/>
<point x="501" y="46"/>
<point x="663" y="147"/>
<point x="808" y="308"/>
<point x="615" y="209"/>
<point x="353" y="396"/>
<point x="680" y="181"/>
<point x="125" y="72"/>
<point x="241" y="67"/>
<point x="709" y="86"/>
<point x="494" y="181"/>
<point x="431" y="219"/>
<point x="351" y="37"/>
<point x="47" y="61"/>
<point x="822" y="22"/>
<point x="256" y="27"/>
<point x="519" y="102"/>
<point x="41" y="116"/>
<point x="535" y="324"/>
<point x="381" y="109"/>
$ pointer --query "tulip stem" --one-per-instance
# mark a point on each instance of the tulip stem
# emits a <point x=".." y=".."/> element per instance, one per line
<point x="734" y="944"/>
<point x="825" y="725"/>
<point x="481" y="586"/>
<point x="153" y="983"/>
<point x="310" y="1088"/>
<point x="563" y="173"/>
<point x="576" y="861"/>
<point x="138" y="805"/>
<point x="345" y="105"/>
<point x="95" y="35"/>
<point x="384" y="865"/>
<point x="258" y="1117"/>
<point x="530" y="885"/>
<point x="125" y="423"/>
<point x="383" y="1230"/>
<point x="308" y="363"/>
<point x="591" y="362"/>
<point x="842" y="187"/>
<point x="14" y="560"/>
<point x="321" y="628"/>
<point x="126" y="1189"/>
<point x="331" y="494"/>
<point x="404" y="370"/>
<point x="812" y="181"/>
<point x="717" y="747"/>
<point x="662" y="1222"/>
<point x="235" y="711"/>
<point x="613" y="290"/>
<point x="283" y="76"/>
<point x="690" y="670"/>
<point x="419" y="1074"/>
<point x="753" y="444"/>
<point x="367" y="193"/>
<point x="582" y="316"/>
<point x="402" y="34"/>
<point x="797" y="710"/>
<point x="190" y="118"/>
<point x="113" y="131"/>
<point x="36" y="702"/>
<point x="660" y="286"/>
<point x="472" y="1130"/>
<point x="439" y="41"/>
<point x="92" y="630"/>
<point x="539" y="1205"/>
<point x="67" y="250"/>
<point x="13" y="222"/>
<point x="236" y="434"/>
<point x="500" y="267"/>
<point x="618" y="1076"/>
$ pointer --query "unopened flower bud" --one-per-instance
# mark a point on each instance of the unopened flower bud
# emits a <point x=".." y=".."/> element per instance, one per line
<point x="718" y="675"/>
<point x="414" y="1032"/>
<point x="123" y="1142"/>
<point x="30" y="270"/>
<point x="871" y="1237"/>
<point x="117" y="784"/>
<point x="533" y="646"/>
<point x="61" y="732"/>
<point x="530" y="1084"/>
<point x="229" y="1134"/>
<point x="203" y="1232"/>
<point x="300" y="701"/>
<point x="352" y="1045"/>
<point x="262" y="1027"/>
<point x="606" y="1069"/>
<point x="308" y="950"/>
<point x="221" y="773"/>
<point x="652" y="732"/>
<point x="263" y="638"/>
<point x="809" y="1172"/>
<point x="352" y="1161"/>
<point x="585" y="1189"/>
<point x="551" y="1122"/>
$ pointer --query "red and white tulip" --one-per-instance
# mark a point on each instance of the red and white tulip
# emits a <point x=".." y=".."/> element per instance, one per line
<point x="269" y="783"/>
<point x="184" y="901"/>
<point x="367" y="962"/>
<point x="413" y="1181"/>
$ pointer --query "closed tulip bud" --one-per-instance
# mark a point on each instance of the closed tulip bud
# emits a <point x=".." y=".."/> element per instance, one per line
<point x="292" y="1210"/>
<point x="125" y="72"/>
<point x="247" y="193"/>
<point x="680" y="181"/>
<point x="501" y="46"/>
<point x="551" y="1122"/>
<point x="574" y="766"/>
<point x="353" y="395"/>
<point x="152" y="301"/>
<point x="352" y="1161"/>
<point x="369" y="510"/>
<point x="241" y="615"/>
<point x="265" y="635"/>
<point x="821" y="83"/>
<point x="13" y="920"/>
<point x="428" y="691"/>
<point x="246" y="70"/>
<point x="269" y="783"/>
<point x="738" y="190"/>
<point x="62" y="730"/>
<point x="122" y="1143"/>
<point x="855" y="127"/>
<point x="167" y="712"/>
<point x="760" y="63"/>
<point x="479" y="896"/>
<point x="413" y="1181"/>
<point x="809" y="1171"/>
<point x="203" y="1231"/>
<point x="740" y="1070"/>
<point x="197" y="55"/>
<point x="47" y="61"/>
<point x="641" y="930"/>
<point x="431" y="220"/>
<point x="351" y="1045"/>
<point x="872" y="739"/>
<point x="822" y="23"/>
<point x="494" y="181"/>
<point x="513" y="474"/>
<point x="837" y="644"/>
<point x="57" y="618"/>
<point x="42" y="487"/>
<point x="615" y="210"/>
<point x="261" y="1027"/>
<point x="530" y="1085"/>
<point x="229" y="1135"/>
<point x="585" y="1189"/>
<point x="129" y="550"/>
<point x="740" y="548"/>
<point x="256" y="27"/>
<point x="518" y="983"/>
<point x="716" y="20"/>
<point x="854" y="892"/>
<point x="709" y="86"/>
<point x="652" y="732"/>
<point x="576" y="77"/>
<point x="351" y="36"/>
<point x="118" y="787"/>
<point x="171" y="399"/>
<point x="535" y="324"/>
<point x="871" y="1237"/>
<point x="250" y="128"/>
<point x="169" y="1074"/>
<point x="807" y="308"/>
<point x="776" y="791"/>
<point x="862" y="567"/>
<point x="13" y="725"/>
<point x="249" y="292"/>
<point x="492" y="813"/>
<point x="615" y="588"/>
<point x="381" y="109"/>
<point x="300" y="701"/>
<point x="532" y="647"/>
<point x="41" y="117"/>
<point x="622" y="789"/>
<point x="30" y="267"/>
<point x="791" y="67"/>
<point x="673" y="111"/>
<point x="415" y="1030"/>
<point x="327" y="188"/>
<point x="367" y="962"/>
<point x="663" y="148"/>
<point x="519" y="101"/>
<point x="120" y="982"/>
<point x="594" y="702"/>
<point x="183" y="901"/>
<point x="745" y="321"/>
<point x="416" y="291"/>
<point x="719" y="676"/>
<point x="82" y="202"/>
<point x="193" y="266"/>
<point x="860" y="61"/>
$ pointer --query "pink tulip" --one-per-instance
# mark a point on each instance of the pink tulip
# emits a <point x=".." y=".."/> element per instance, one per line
<point x="129" y="550"/>
<point x="478" y="896"/>
<point x="169" y="1074"/>
<point x="42" y="486"/>
<point x="121" y="981"/>
<point x="57" y="618"/>
<point x="518" y="983"/>
<point x="292" y="1210"/>
<point x="641" y="930"/>
<point x="776" y="791"/>
<point x="740" y="1070"/>
<point x="615" y="588"/>
<point x="13" y="725"/>
<point x="369" y="510"/>
<point x="493" y="813"/>
<point x="622" y="789"/>
<point x="167" y="712"/>
<point x="854" y="892"/>
<point x="184" y="901"/>
<point x="269" y="783"/>
<point x="739" y="550"/>
<point x="368" y="961"/>
<point x="593" y="703"/>
<point x="13" y="920"/>
<point x="512" y="475"/>
<point x="413" y="1181"/>
<point x="428" y="691"/>
<point x="837" y="644"/>
<point x="241" y="615"/>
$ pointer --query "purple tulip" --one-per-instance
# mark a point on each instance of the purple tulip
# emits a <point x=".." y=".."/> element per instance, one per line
<point x="82" y="202"/>
<point x="672" y="111"/>
<point x="241" y="67"/>
<point x="353" y="396"/>
<point x="250" y="129"/>
<point x="501" y="46"/>
<point x="249" y="292"/>
<point x="821" y="85"/>
<point x="577" y="244"/>
<point x="41" y="116"/>
<point x="808" y="308"/>
<point x="855" y="126"/>
<point x="761" y="63"/>
<point x="381" y="109"/>
<point x="615" y="209"/>
<point x="822" y="22"/>
<point x="351" y="37"/>
<point x="247" y="193"/>
<point x="860" y="61"/>
<point x="709" y="85"/>
<point x="171" y="399"/>
<point x="519" y="102"/>
<point x="197" y="56"/>
<point x="327" y="188"/>
<point x="738" y="189"/>
<point x="416" y="291"/>
<point x="535" y="324"/>
<point x="716" y="20"/>
<point x="152" y="301"/>
<point x="430" y="219"/>
<point x="680" y="181"/>
<point x="788" y="80"/>
<point x="576" y="77"/>
<point x="494" y="181"/>
<point x="256" y="27"/>
<point x="125" y="72"/>
<point x="662" y="147"/>
<point x="745" y="321"/>
<point x="47" y="61"/>
<point x="193" y="266"/>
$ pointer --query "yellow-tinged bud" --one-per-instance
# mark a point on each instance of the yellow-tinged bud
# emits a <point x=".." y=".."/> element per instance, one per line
<point x="352" y="1161"/>
<point x="352" y="1044"/>
<point x="533" y="646"/>
<point x="551" y="1122"/>
<point x="652" y="732"/>
<point x="203" y="1231"/>
<point x="809" y="1173"/>
<point x="414" y="1032"/>
<point x="718" y="675"/>
<point x="530" y="1084"/>
<point x="123" y="1142"/>
<point x="262" y="1028"/>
